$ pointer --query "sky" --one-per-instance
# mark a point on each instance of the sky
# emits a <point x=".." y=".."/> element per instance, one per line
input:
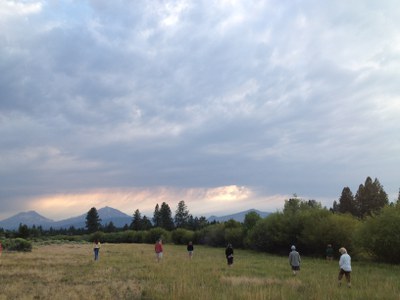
<point x="227" y="105"/>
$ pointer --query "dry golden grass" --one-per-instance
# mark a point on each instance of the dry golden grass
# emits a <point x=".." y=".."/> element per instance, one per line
<point x="130" y="271"/>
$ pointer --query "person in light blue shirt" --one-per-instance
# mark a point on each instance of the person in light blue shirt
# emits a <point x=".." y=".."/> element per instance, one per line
<point x="345" y="266"/>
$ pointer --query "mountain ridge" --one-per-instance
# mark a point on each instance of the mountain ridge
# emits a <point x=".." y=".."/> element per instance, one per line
<point x="106" y="214"/>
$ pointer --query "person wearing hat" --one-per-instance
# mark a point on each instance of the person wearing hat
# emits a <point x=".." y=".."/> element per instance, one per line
<point x="294" y="260"/>
<point x="345" y="266"/>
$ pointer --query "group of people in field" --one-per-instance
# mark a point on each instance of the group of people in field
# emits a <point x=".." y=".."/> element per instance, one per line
<point x="294" y="257"/>
<point x="344" y="262"/>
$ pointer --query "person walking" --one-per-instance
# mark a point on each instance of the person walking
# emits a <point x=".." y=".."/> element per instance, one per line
<point x="229" y="255"/>
<point x="294" y="260"/>
<point x="96" y="249"/>
<point x="190" y="249"/>
<point x="345" y="267"/>
<point x="329" y="252"/>
<point x="158" y="248"/>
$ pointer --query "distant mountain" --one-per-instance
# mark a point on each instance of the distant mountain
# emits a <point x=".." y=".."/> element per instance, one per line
<point x="237" y="216"/>
<point x="29" y="218"/>
<point x="106" y="214"/>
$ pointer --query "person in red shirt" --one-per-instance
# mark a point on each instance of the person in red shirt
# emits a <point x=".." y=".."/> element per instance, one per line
<point x="1" y="248"/>
<point x="159" y="250"/>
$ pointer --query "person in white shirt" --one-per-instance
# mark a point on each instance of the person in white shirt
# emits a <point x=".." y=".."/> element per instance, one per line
<point x="96" y="249"/>
<point x="345" y="266"/>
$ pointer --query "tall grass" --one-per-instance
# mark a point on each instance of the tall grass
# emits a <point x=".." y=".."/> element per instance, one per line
<point x="130" y="271"/>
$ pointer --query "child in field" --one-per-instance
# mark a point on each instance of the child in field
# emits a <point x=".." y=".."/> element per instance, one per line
<point x="190" y="249"/>
<point x="345" y="266"/>
<point x="329" y="252"/>
<point x="159" y="250"/>
<point x="294" y="260"/>
<point x="229" y="254"/>
<point x="96" y="249"/>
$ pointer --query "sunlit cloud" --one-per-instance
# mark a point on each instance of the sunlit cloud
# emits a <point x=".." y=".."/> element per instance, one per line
<point x="198" y="200"/>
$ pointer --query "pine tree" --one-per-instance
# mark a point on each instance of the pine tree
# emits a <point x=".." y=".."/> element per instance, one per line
<point x="136" y="221"/>
<point x="156" y="216"/>
<point x="370" y="198"/>
<point x="92" y="220"/>
<point x="146" y="223"/>
<point x="346" y="202"/>
<point x="110" y="227"/>
<point x="166" y="217"/>
<point x="181" y="215"/>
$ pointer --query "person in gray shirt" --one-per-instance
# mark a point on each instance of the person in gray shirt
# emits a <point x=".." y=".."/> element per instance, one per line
<point x="294" y="260"/>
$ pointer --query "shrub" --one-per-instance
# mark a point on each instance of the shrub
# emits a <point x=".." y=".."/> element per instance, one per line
<point x="269" y="234"/>
<point x="379" y="235"/>
<point x="154" y="234"/>
<point x="182" y="236"/>
<point x="213" y="235"/>
<point x="234" y="236"/>
<point x="98" y="235"/>
<point x="17" y="244"/>
<point x="320" y="227"/>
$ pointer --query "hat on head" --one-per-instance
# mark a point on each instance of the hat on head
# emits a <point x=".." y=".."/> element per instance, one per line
<point x="293" y="247"/>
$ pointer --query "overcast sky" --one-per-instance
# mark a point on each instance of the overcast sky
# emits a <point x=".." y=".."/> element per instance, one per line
<point x="227" y="105"/>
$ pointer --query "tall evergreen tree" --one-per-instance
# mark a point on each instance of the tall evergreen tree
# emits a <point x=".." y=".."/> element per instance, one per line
<point x="370" y="198"/>
<point x="181" y="215"/>
<point x="110" y="227"/>
<point x="23" y="231"/>
<point x="146" y="223"/>
<point x="92" y="220"/>
<point x="166" y="217"/>
<point x="136" y="221"/>
<point x="346" y="202"/>
<point x="156" y="216"/>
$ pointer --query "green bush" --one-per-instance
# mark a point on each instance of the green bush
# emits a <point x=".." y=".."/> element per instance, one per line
<point x="155" y="234"/>
<point x="379" y="235"/>
<point x="182" y="236"/>
<point x="270" y="234"/>
<point x="17" y="244"/>
<point x="213" y="235"/>
<point x="98" y="235"/>
<point x="321" y="227"/>
<point x="310" y="229"/>
<point x="234" y="236"/>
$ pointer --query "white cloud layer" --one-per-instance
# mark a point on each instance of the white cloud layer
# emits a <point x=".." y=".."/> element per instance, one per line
<point x="276" y="97"/>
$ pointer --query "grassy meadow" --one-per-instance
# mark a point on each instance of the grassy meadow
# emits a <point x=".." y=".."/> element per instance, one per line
<point x="130" y="271"/>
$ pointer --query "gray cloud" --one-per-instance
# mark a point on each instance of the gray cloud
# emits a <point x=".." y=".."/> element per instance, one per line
<point x="283" y="98"/>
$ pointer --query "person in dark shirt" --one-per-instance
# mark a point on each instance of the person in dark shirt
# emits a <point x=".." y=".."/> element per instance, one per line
<point x="229" y="254"/>
<point x="190" y="249"/>
<point x="329" y="252"/>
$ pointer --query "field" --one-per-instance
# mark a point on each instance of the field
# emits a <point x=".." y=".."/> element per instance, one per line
<point x="130" y="271"/>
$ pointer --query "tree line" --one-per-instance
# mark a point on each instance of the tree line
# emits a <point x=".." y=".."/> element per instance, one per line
<point x="162" y="218"/>
<point x="369" y="199"/>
